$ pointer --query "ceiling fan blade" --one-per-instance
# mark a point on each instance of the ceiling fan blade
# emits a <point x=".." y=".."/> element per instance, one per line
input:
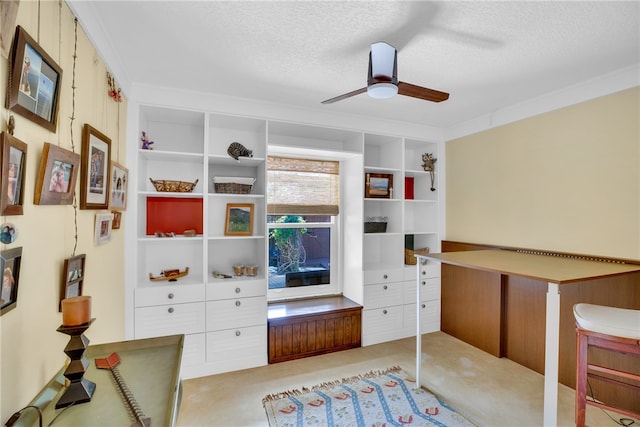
<point x="345" y="96"/>
<point x="427" y="94"/>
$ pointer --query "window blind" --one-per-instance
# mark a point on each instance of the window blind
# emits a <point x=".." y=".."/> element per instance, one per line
<point x="302" y="186"/>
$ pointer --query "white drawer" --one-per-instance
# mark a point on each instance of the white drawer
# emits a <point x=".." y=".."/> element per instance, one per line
<point x="232" y="288"/>
<point x="430" y="269"/>
<point x="381" y="320"/>
<point x="430" y="290"/>
<point x="194" y="349"/>
<point x="383" y="294"/>
<point x="236" y="313"/>
<point x="169" y="320"/>
<point x="168" y="294"/>
<point x="429" y="316"/>
<point x="383" y="276"/>
<point x="237" y="346"/>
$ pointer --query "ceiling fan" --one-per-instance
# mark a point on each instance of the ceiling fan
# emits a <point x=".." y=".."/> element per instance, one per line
<point x="382" y="81"/>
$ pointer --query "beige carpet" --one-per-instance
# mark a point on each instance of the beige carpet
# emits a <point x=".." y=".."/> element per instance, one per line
<point x="488" y="390"/>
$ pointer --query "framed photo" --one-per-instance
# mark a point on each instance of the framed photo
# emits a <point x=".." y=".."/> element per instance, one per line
<point x="117" y="219"/>
<point x="56" y="181"/>
<point x="95" y="172"/>
<point x="10" y="265"/>
<point x="34" y="84"/>
<point x="239" y="220"/>
<point x="14" y="161"/>
<point x="118" y="194"/>
<point x="103" y="228"/>
<point x="378" y="185"/>
<point x="72" y="278"/>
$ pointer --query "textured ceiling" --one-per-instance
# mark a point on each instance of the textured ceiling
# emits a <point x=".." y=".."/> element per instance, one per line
<point x="487" y="55"/>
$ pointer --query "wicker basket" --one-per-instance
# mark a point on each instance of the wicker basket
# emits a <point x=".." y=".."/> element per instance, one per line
<point x="167" y="186"/>
<point x="233" y="185"/>
<point x="375" y="227"/>
<point x="410" y="259"/>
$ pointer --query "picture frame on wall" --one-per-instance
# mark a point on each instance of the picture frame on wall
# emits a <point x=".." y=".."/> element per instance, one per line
<point x="72" y="278"/>
<point x="56" y="180"/>
<point x="378" y="185"/>
<point x="95" y="170"/>
<point x="10" y="261"/>
<point x="118" y="193"/>
<point x="117" y="220"/>
<point x="34" y="84"/>
<point x="239" y="219"/>
<point x="14" y="161"/>
<point x="104" y="225"/>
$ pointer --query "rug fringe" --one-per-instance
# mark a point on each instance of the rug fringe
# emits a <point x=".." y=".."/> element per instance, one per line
<point x="348" y="380"/>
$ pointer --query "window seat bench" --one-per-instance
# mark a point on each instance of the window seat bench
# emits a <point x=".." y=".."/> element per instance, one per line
<point x="309" y="327"/>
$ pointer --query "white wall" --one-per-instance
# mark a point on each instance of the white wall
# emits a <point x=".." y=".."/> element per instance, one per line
<point x="31" y="350"/>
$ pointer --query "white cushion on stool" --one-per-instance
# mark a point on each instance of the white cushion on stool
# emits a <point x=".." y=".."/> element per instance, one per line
<point x="619" y="322"/>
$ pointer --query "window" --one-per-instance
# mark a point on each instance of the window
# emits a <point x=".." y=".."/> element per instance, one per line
<point x="302" y="218"/>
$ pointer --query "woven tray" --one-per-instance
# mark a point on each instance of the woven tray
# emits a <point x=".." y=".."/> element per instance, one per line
<point x="232" y="188"/>
<point x="410" y="259"/>
<point x="167" y="186"/>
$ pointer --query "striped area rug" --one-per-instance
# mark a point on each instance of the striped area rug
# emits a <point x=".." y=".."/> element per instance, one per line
<point x="377" y="399"/>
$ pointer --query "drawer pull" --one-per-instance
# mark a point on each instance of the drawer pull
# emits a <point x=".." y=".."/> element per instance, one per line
<point x="423" y="305"/>
<point x="385" y="276"/>
<point x="170" y="310"/>
<point x="385" y="287"/>
<point x="237" y="290"/>
<point x="170" y="295"/>
<point x="424" y="282"/>
<point x="238" y="303"/>
<point x="384" y="311"/>
<point x="237" y="333"/>
<point x="424" y="272"/>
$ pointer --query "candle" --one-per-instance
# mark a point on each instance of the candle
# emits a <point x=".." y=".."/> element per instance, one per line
<point x="76" y="310"/>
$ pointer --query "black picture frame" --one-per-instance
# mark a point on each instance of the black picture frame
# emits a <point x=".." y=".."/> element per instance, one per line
<point x="14" y="162"/>
<point x="10" y="261"/>
<point x="34" y="82"/>
<point x="72" y="278"/>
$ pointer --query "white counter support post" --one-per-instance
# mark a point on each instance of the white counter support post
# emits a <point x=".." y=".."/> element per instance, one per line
<point x="552" y="348"/>
<point x="419" y="261"/>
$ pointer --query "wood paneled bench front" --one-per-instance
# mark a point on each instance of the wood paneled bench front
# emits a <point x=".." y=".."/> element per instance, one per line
<point x="310" y="327"/>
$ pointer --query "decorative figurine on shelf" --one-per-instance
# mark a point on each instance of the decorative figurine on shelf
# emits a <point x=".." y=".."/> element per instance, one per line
<point x="146" y="144"/>
<point x="236" y="150"/>
<point x="429" y="165"/>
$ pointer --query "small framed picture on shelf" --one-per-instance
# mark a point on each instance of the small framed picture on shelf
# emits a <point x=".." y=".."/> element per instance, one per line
<point x="56" y="180"/>
<point x="118" y="194"/>
<point x="96" y="169"/>
<point x="72" y="278"/>
<point x="34" y="87"/>
<point x="14" y="156"/>
<point x="239" y="219"/>
<point x="378" y="185"/>
<point x="10" y="265"/>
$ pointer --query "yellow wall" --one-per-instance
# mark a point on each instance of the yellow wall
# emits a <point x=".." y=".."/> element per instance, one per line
<point x="31" y="349"/>
<point x="567" y="180"/>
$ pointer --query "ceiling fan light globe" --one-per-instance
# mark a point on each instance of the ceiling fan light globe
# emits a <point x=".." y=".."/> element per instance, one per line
<point x="382" y="90"/>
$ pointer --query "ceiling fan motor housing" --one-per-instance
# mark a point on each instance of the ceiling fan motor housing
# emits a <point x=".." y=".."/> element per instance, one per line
<point x="382" y="80"/>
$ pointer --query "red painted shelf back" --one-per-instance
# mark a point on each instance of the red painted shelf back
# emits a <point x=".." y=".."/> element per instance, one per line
<point x="168" y="214"/>
<point x="408" y="187"/>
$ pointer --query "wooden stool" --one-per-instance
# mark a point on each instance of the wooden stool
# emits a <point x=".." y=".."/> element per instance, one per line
<point x="609" y="328"/>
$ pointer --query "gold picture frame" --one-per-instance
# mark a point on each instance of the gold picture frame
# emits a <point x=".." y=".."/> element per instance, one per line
<point x="239" y="219"/>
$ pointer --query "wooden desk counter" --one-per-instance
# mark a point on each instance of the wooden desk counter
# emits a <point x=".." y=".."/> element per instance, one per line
<point x="515" y="299"/>
<point x="559" y="270"/>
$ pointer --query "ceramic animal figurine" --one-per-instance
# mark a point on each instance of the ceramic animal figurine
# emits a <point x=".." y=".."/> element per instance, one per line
<point x="428" y="162"/>
<point x="146" y="144"/>
<point x="236" y="150"/>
